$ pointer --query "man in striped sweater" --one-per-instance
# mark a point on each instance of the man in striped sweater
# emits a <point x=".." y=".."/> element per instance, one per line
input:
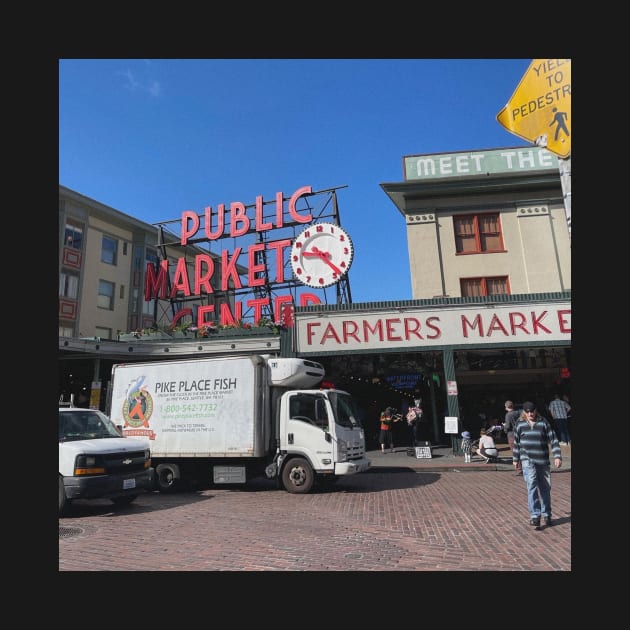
<point x="533" y="436"/>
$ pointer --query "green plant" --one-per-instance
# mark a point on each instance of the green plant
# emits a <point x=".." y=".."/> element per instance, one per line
<point x="181" y="326"/>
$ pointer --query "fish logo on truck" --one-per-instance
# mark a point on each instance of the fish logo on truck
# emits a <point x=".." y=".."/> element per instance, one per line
<point x="137" y="408"/>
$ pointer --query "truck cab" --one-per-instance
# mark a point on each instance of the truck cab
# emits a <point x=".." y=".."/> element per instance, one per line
<point x="321" y="438"/>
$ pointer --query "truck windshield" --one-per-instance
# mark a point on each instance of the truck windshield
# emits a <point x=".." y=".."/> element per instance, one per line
<point x="85" y="424"/>
<point x="345" y="408"/>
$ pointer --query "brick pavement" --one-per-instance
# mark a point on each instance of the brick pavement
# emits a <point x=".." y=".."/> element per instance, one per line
<point x="434" y="521"/>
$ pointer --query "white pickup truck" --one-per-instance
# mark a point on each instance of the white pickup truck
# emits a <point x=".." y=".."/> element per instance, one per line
<point x="96" y="462"/>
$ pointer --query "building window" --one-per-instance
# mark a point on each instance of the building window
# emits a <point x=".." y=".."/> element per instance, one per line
<point x="121" y="292"/>
<point x="103" y="333"/>
<point x="73" y="236"/>
<point x="69" y="285"/>
<point x="477" y="287"/>
<point x="137" y="258"/>
<point x="152" y="257"/>
<point x="105" y="295"/>
<point x="135" y="297"/>
<point x="109" y="249"/>
<point x="478" y="234"/>
<point x="149" y="307"/>
<point x="66" y="331"/>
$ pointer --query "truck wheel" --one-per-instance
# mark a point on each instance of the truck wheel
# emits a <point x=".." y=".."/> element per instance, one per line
<point x="63" y="501"/>
<point x="126" y="500"/>
<point x="167" y="478"/>
<point x="298" y="476"/>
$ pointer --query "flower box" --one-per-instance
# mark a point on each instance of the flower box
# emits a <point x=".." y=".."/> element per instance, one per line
<point x="206" y="333"/>
<point x="241" y="332"/>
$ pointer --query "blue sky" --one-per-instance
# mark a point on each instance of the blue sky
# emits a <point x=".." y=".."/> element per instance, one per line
<point x="154" y="137"/>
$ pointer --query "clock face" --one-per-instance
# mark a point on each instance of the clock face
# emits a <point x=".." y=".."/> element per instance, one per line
<point x="321" y="255"/>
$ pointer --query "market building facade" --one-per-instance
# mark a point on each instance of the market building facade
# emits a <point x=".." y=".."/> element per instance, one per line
<point x="490" y="314"/>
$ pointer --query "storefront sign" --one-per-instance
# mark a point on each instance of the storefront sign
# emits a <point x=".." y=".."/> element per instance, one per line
<point x="404" y="381"/>
<point x="494" y="162"/>
<point x="421" y="329"/>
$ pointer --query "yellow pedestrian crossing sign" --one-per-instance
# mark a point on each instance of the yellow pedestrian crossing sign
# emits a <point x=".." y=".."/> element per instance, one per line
<point x="540" y="108"/>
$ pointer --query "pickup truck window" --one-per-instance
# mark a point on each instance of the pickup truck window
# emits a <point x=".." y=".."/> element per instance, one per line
<point x="85" y="424"/>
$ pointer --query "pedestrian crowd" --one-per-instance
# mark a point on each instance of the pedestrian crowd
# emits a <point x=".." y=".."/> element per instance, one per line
<point x="531" y="437"/>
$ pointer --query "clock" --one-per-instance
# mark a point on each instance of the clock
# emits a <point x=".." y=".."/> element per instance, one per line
<point x="321" y="255"/>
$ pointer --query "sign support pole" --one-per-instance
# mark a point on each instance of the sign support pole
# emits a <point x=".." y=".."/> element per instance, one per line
<point x="565" y="179"/>
<point x="564" y="168"/>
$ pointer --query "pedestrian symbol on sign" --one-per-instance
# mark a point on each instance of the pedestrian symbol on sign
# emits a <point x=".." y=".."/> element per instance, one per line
<point x="560" y="120"/>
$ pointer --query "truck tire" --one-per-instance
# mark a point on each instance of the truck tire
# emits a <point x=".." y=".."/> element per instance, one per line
<point x="167" y="478"/>
<point x="298" y="476"/>
<point x="63" y="501"/>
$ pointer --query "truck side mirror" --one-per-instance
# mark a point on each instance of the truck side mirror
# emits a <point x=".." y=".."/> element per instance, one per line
<point x="327" y="436"/>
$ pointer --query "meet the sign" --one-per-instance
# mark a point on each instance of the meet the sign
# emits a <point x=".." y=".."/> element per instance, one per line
<point x="494" y="162"/>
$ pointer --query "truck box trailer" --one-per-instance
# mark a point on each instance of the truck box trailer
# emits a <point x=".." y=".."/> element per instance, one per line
<point x="230" y="419"/>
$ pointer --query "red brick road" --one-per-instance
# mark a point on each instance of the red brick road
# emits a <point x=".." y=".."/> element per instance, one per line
<point x="471" y="521"/>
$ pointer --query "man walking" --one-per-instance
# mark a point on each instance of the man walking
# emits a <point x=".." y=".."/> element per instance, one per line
<point x="532" y="438"/>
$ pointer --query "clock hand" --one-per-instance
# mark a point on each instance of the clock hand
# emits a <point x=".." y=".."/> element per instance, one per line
<point x="325" y="256"/>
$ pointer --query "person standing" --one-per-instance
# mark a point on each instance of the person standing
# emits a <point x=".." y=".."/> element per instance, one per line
<point x="386" y="437"/>
<point x="414" y="417"/>
<point x="559" y="410"/>
<point x="533" y="436"/>
<point x="511" y="418"/>
<point x="466" y="446"/>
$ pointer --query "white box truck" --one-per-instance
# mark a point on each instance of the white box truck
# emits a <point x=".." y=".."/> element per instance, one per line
<point x="230" y="419"/>
<point x="96" y="462"/>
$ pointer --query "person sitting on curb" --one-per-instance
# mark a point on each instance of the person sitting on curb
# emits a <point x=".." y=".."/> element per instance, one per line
<point x="487" y="448"/>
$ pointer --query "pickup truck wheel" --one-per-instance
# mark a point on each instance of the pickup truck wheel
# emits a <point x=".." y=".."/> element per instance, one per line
<point x="167" y="478"/>
<point x="298" y="476"/>
<point x="126" y="500"/>
<point x="63" y="501"/>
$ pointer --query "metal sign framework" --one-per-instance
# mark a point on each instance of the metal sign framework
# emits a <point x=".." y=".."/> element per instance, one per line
<point x="322" y="205"/>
